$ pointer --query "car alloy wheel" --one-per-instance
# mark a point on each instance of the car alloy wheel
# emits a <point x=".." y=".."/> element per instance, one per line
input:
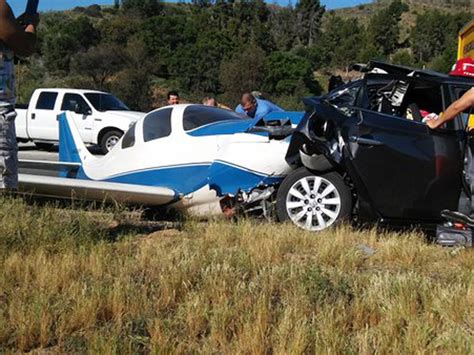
<point x="313" y="202"/>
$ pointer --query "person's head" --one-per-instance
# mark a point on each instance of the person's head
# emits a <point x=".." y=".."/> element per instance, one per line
<point x="248" y="102"/>
<point x="173" y="98"/>
<point x="209" y="101"/>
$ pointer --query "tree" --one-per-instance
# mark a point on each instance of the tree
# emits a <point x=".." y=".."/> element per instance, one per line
<point x="384" y="27"/>
<point x="99" y="63"/>
<point x="340" y="42"/>
<point x="434" y="32"/>
<point x="283" y="27"/>
<point x="285" y="72"/>
<point x="242" y="72"/>
<point x="309" y="14"/>
<point x="403" y="57"/>
<point x="64" y="38"/>
<point x="119" y="28"/>
<point x="133" y="83"/>
<point x="147" y="8"/>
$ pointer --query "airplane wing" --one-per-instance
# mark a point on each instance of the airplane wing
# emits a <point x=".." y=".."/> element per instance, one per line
<point x="51" y="186"/>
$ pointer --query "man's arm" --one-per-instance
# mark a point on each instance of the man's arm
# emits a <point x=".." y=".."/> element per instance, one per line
<point x="20" y="40"/>
<point x="239" y="109"/>
<point x="465" y="102"/>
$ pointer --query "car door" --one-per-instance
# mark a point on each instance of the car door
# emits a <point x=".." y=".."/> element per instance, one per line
<point x="407" y="170"/>
<point x="42" y="120"/>
<point x="82" y="118"/>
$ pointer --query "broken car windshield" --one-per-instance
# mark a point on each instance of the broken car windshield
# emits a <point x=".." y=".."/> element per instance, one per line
<point x="344" y="97"/>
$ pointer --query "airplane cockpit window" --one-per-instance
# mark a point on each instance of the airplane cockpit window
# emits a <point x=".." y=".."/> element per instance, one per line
<point x="157" y="124"/>
<point x="199" y="115"/>
<point x="129" y="137"/>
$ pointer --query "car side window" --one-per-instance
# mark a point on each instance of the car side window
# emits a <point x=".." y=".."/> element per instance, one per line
<point x="71" y="100"/>
<point x="157" y="125"/>
<point x="410" y="99"/>
<point x="421" y="98"/>
<point x="129" y="137"/>
<point x="46" y="100"/>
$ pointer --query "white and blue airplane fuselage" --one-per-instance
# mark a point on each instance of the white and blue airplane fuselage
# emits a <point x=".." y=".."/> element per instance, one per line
<point x="185" y="156"/>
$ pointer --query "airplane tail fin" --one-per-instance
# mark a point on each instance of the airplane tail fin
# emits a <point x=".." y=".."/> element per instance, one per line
<point x="71" y="147"/>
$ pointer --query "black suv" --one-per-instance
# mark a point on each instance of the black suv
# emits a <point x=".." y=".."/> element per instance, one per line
<point x="362" y="151"/>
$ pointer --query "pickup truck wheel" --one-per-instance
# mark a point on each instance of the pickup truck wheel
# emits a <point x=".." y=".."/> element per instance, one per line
<point x="109" y="140"/>
<point x="44" y="146"/>
<point x="313" y="202"/>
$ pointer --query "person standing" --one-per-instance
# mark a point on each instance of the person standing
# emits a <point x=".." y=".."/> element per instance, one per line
<point x="464" y="103"/>
<point x="17" y="37"/>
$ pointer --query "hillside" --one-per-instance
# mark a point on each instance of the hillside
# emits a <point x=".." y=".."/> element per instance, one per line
<point x="143" y="49"/>
<point x="364" y="12"/>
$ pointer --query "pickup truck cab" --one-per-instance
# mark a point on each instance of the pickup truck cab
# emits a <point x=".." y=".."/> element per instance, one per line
<point x="101" y="117"/>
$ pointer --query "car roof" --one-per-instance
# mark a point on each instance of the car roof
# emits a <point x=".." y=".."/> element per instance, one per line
<point x="399" y="71"/>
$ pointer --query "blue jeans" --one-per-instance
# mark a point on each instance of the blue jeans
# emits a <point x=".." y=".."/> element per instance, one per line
<point x="8" y="149"/>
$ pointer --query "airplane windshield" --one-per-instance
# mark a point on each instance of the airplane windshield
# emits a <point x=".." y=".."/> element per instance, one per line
<point x="199" y="115"/>
<point x="106" y="102"/>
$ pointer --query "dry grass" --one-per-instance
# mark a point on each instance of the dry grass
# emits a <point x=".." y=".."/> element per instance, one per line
<point x="70" y="283"/>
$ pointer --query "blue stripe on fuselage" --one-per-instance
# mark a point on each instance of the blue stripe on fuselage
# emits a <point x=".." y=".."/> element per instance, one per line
<point x="183" y="179"/>
<point x="226" y="178"/>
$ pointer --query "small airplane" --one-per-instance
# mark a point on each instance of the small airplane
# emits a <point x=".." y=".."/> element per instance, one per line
<point x="183" y="156"/>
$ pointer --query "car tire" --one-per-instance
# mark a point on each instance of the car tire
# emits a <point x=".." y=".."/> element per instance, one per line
<point x="297" y="200"/>
<point x="109" y="139"/>
<point x="44" y="146"/>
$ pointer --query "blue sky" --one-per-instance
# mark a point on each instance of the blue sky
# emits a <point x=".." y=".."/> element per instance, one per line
<point x="45" y="5"/>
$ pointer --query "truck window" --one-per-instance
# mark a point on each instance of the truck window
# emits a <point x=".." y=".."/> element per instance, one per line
<point x="71" y="100"/>
<point x="46" y="100"/>
<point x="157" y="125"/>
<point x="106" y="102"/>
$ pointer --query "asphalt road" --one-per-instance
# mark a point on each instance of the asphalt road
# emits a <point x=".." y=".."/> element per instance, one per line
<point x="28" y="151"/>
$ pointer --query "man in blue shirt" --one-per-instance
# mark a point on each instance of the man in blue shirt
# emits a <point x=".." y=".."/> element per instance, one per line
<point x="255" y="108"/>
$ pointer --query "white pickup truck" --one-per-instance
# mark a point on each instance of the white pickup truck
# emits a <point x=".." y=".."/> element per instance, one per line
<point x="100" y="117"/>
